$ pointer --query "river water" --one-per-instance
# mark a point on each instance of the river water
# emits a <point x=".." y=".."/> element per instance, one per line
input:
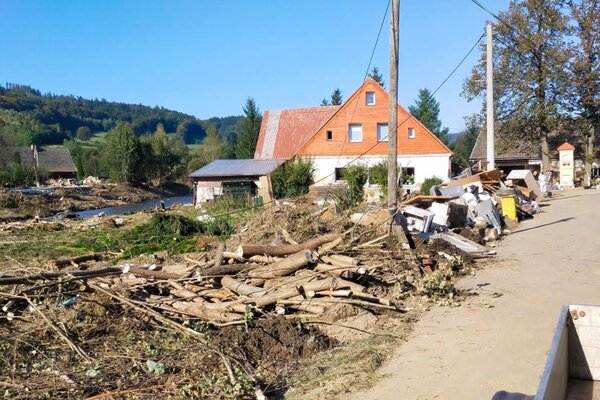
<point x="135" y="207"/>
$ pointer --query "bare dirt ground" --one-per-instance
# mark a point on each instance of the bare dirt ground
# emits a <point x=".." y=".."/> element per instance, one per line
<point x="16" y="206"/>
<point x="499" y="338"/>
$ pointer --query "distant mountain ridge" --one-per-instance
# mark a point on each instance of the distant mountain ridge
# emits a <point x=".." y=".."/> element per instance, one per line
<point x="29" y="117"/>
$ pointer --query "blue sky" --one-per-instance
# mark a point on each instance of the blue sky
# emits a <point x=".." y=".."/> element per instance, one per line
<point x="206" y="57"/>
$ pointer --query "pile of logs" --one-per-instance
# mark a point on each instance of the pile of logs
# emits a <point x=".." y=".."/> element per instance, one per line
<point x="231" y="287"/>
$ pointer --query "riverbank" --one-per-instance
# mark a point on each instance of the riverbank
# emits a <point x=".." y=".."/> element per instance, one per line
<point x="16" y="206"/>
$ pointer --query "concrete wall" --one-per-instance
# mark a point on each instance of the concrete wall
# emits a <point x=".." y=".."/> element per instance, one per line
<point x="426" y="166"/>
<point x="205" y="190"/>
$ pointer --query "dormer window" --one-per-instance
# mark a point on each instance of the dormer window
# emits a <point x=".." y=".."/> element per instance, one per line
<point x="370" y="98"/>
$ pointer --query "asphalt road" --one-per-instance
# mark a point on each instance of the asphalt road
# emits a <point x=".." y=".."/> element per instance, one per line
<point x="498" y="339"/>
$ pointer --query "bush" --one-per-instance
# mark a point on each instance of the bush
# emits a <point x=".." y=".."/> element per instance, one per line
<point x="429" y="183"/>
<point x="356" y="177"/>
<point x="378" y="174"/>
<point x="164" y="232"/>
<point x="293" y="178"/>
<point x="14" y="175"/>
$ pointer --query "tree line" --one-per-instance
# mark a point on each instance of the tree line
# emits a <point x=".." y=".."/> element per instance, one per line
<point x="162" y="157"/>
<point x="29" y="117"/>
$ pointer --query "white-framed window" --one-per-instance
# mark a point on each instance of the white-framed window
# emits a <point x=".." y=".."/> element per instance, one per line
<point x="355" y="133"/>
<point x="411" y="133"/>
<point x="329" y="135"/>
<point x="370" y="98"/>
<point x="382" y="133"/>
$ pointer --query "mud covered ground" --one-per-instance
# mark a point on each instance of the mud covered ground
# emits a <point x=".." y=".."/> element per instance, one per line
<point x="125" y="354"/>
<point x="15" y="206"/>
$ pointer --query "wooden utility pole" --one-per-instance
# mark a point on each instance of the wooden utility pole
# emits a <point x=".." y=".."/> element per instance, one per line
<point x="490" y="99"/>
<point x="393" y="110"/>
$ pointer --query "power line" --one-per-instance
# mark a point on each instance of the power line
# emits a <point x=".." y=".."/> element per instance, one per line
<point x="513" y="33"/>
<point x="462" y="60"/>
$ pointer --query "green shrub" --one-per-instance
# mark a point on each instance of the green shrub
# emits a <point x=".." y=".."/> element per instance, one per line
<point x="378" y="174"/>
<point x="293" y="178"/>
<point x="164" y="232"/>
<point x="429" y="183"/>
<point x="356" y="177"/>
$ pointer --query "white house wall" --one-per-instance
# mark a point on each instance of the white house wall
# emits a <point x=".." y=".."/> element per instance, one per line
<point x="426" y="166"/>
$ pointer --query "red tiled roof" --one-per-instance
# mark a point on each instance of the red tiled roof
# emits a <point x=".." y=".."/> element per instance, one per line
<point x="284" y="132"/>
<point x="566" y="146"/>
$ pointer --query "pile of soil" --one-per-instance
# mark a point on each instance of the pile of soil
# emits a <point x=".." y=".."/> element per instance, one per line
<point x="128" y="353"/>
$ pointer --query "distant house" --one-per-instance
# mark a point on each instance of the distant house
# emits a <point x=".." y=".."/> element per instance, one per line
<point x="55" y="161"/>
<point x="234" y="178"/>
<point x="354" y="132"/>
<point x="517" y="152"/>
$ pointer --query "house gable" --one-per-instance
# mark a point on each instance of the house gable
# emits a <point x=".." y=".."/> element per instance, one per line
<point x="332" y="139"/>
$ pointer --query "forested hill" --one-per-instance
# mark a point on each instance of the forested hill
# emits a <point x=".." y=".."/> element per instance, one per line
<point x="27" y="116"/>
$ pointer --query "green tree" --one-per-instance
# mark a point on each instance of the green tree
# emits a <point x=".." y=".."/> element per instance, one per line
<point x="325" y="102"/>
<point x="248" y="134"/>
<point x="336" y="97"/>
<point x="377" y="76"/>
<point x="427" y="110"/>
<point x="530" y="64"/>
<point x="79" y="166"/>
<point x="83" y="133"/>
<point x="585" y="75"/>
<point x="463" y="145"/>
<point x="293" y="178"/>
<point x="122" y="154"/>
<point x="355" y="176"/>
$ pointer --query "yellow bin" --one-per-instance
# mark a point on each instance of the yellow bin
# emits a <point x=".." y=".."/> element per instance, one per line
<point x="509" y="207"/>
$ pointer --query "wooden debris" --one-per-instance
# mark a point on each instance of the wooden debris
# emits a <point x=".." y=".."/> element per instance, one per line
<point x="249" y="250"/>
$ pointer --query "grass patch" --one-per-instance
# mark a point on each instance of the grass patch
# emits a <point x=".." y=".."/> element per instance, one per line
<point x="173" y="233"/>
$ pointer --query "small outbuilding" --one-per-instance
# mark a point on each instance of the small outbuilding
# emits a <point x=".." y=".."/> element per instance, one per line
<point x="234" y="178"/>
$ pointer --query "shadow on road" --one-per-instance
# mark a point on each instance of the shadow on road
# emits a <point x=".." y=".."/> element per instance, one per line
<point x="543" y="225"/>
<point x="561" y="198"/>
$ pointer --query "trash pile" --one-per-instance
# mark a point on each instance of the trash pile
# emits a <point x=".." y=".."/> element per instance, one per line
<point x="470" y="211"/>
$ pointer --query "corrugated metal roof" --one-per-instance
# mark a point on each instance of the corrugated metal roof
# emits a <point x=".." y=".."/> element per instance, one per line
<point x="284" y="132"/>
<point x="231" y="168"/>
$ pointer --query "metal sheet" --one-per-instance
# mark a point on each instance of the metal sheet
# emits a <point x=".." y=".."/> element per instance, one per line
<point x="232" y="168"/>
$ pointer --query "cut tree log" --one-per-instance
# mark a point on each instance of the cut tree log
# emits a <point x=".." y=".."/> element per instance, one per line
<point x="327" y="247"/>
<point x="284" y="250"/>
<point x="300" y="277"/>
<point x="64" y="262"/>
<point x="345" y="259"/>
<point x="204" y="313"/>
<point x="233" y="256"/>
<point x="274" y="297"/>
<point x="219" y="258"/>
<point x="334" y="270"/>
<point x="264" y="259"/>
<point x="284" y="267"/>
<point x="242" y="288"/>
<point x="310" y="308"/>
<point x="230" y="269"/>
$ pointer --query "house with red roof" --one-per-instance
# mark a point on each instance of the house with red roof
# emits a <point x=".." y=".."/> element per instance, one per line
<point x="355" y="132"/>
